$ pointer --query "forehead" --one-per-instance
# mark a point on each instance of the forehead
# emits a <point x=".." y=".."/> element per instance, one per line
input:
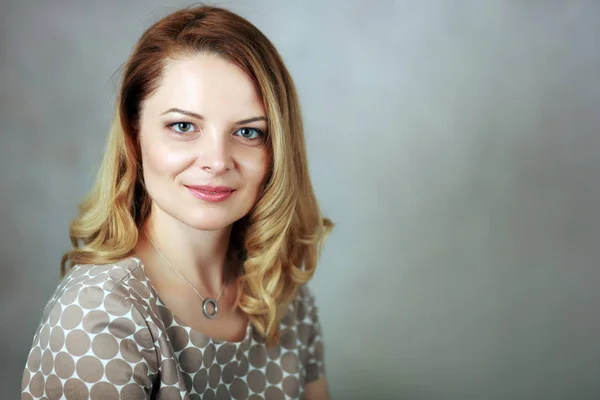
<point x="208" y="85"/>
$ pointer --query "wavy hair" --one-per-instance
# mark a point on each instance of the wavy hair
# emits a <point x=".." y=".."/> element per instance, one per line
<point x="282" y="236"/>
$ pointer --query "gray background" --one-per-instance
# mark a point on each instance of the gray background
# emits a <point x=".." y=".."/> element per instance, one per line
<point x="454" y="143"/>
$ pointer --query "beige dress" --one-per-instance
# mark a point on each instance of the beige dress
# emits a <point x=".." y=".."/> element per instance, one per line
<point x="105" y="334"/>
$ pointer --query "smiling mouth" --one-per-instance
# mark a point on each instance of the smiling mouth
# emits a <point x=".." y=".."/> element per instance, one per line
<point x="211" y="189"/>
<point x="210" y="193"/>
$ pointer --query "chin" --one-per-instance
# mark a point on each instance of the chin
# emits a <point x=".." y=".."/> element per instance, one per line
<point x="212" y="222"/>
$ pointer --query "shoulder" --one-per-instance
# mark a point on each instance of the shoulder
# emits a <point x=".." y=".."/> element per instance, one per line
<point x="305" y="305"/>
<point x="115" y="288"/>
<point x="107" y="276"/>
<point x="125" y="278"/>
<point x="94" y="316"/>
<point x="101" y="300"/>
<point x="301" y="312"/>
<point x="306" y="295"/>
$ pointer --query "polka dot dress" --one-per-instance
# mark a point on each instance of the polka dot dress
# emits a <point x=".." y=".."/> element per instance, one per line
<point x="105" y="334"/>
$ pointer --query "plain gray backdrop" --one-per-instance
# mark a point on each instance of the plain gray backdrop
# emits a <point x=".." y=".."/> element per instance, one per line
<point x="455" y="144"/>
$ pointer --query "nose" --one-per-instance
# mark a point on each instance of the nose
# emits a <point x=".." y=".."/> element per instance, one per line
<point x="214" y="155"/>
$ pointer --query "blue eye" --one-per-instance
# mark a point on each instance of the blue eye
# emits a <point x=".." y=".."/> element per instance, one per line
<point x="183" y="127"/>
<point x="250" y="133"/>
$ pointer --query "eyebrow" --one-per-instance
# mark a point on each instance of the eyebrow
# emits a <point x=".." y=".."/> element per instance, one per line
<point x="198" y="116"/>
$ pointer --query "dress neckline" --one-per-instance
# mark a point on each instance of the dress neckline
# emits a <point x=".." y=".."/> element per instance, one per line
<point x="179" y="322"/>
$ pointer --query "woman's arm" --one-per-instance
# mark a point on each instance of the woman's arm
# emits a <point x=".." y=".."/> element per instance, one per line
<point x="317" y="390"/>
<point x="315" y="387"/>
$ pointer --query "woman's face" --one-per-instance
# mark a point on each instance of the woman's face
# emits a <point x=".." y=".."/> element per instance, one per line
<point x="202" y="138"/>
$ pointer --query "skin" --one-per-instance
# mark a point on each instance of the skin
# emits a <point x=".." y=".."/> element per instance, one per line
<point x="179" y="150"/>
<point x="190" y="134"/>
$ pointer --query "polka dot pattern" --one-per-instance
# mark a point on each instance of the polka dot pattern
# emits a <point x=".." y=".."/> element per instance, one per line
<point x="105" y="334"/>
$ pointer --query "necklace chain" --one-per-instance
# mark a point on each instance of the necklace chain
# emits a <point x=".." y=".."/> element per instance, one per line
<point x="179" y="273"/>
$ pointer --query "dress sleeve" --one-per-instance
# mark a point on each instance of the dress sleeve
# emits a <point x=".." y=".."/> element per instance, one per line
<point x="311" y="335"/>
<point x="91" y="343"/>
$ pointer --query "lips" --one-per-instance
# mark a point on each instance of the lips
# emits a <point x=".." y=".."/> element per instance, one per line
<point x="212" y="194"/>
<point x="212" y="189"/>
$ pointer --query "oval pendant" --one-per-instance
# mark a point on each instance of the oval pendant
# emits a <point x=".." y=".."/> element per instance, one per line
<point x="205" y="308"/>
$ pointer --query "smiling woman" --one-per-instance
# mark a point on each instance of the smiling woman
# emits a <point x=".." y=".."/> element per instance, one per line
<point x="191" y="254"/>
<point x="203" y="130"/>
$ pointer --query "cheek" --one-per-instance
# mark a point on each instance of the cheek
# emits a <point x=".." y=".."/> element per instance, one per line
<point x="255" y="167"/>
<point x="162" y="160"/>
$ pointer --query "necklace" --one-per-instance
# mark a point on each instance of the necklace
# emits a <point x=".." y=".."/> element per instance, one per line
<point x="205" y="301"/>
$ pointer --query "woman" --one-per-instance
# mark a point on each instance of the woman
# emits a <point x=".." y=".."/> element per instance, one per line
<point x="192" y="250"/>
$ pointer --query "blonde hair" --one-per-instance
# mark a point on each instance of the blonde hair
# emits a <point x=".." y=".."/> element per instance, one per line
<point x="282" y="236"/>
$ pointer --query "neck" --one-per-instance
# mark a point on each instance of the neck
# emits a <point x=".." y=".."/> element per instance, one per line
<point x="200" y="256"/>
